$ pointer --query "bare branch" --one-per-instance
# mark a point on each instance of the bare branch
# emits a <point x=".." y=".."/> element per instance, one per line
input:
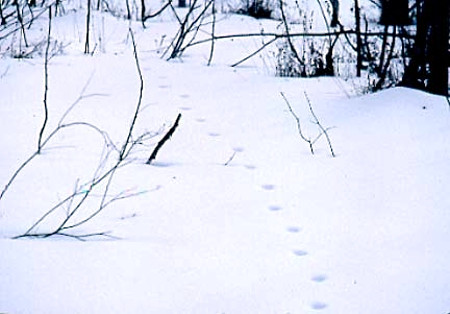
<point x="138" y="106"/>
<point x="324" y="131"/>
<point x="41" y="133"/>
<point x="255" y="52"/>
<point x="161" y="10"/>
<point x="299" y="127"/>
<point x="213" y="30"/>
<point x="292" y="35"/>
<point x="76" y="201"/>
<point x="288" y="36"/>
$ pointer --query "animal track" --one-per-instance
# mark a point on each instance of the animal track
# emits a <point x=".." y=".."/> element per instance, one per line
<point x="184" y="96"/>
<point x="268" y="187"/>
<point x="318" y="305"/>
<point x="319" y="278"/>
<point x="201" y="120"/>
<point x="275" y="208"/>
<point x="185" y="108"/>
<point x="238" y="149"/>
<point x="214" y="134"/>
<point x="293" y="229"/>
<point x="128" y="216"/>
<point x="300" y="252"/>
<point x="251" y="167"/>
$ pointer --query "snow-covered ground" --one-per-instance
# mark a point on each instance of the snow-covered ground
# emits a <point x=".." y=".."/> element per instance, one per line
<point x="235" y="215"/>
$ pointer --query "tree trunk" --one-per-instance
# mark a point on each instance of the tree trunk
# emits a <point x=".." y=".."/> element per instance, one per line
<point x="3" y="20"/>
<point x="428" y="67"/>
<point x="394" y="12"/>
<point x="438" y="48"/>
<point x="335" y="15"/>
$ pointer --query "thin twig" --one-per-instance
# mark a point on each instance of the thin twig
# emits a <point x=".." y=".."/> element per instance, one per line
<point x="324" y="131"/>
<point x="141" y="92"/>
<point x="77" y="237"/>
<point x="213" y="30"/>
<point x="41" y="133"/>
<point x="161" y="10"/>
<point x="299" y="127"/>
<point x="16" y="173"/>
<point x="47" y="140"/>
<point x="86" y="191"/>
<point x="255" y="52"/>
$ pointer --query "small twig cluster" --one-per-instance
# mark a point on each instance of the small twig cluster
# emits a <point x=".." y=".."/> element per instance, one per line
<point x="323" y="131"/>
<point x="189" y="27"/>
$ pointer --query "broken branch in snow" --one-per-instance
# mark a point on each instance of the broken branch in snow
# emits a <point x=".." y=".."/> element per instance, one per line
<point x="82" y="237"/>
<point x="164" y="140"/>
<point x="230" y="159"/>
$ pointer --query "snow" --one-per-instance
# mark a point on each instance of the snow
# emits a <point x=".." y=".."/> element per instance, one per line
<point x="235" y="215"/>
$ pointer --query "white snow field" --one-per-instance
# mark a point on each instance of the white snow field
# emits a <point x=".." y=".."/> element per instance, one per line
<point x="235" y="215"/>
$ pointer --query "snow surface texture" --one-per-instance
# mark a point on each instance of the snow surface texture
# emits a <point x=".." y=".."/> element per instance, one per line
<point x="238" y="216"/>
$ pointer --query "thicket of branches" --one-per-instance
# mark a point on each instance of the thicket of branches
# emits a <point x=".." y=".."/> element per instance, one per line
<point x="90" y="198"/>
<point x="384" y="55"/>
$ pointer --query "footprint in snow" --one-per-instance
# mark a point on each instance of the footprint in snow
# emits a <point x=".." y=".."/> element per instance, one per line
<point x="268" y="187"/>
<point x="164" y="86"/>
<point x="275" y="208"/>
<point x="318" y="305"/>
<point x="214" y="134"/>
<point x="238" y="149"/>
<point x="201" y="120"/>
<point x="293" y="229"/>
<point x="184" y="96"/>
<point x="185" y="108"/>
<point x="300" y="253"/>
<point x="250" y="167"/>
<point x="319" y="278"/>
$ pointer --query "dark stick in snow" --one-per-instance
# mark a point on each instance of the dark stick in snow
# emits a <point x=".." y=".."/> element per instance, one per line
<point x="164" y="140"/>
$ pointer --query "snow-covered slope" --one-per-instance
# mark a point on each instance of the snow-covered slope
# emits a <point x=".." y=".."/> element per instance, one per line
<point x="237" y="216"/>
